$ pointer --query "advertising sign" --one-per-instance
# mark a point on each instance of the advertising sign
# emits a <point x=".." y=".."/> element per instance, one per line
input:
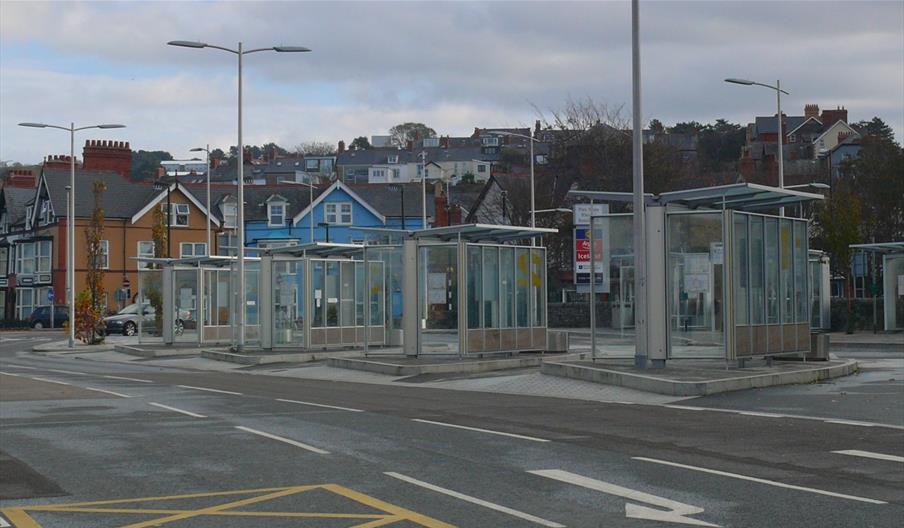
<point x="582" y="258"/>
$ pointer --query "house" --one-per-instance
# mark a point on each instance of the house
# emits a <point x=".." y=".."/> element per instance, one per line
<point x="394" y="165"/>
<point x="13" y="202"/>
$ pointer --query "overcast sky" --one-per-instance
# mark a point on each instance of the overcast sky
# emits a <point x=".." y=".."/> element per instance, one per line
<point x="452" y="65"/>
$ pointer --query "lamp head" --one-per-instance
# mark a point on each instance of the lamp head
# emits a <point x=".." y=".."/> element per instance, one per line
<point x="111" y="126"/>
<point x="187" y="44"/>
<point x="33" y="125"/>
<point x="739" y="81"/>
<point x="197" y="149"/>
<point x="290" y="49"/>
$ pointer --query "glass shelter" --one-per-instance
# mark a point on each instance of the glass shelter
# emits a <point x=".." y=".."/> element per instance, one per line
<point x="888" y="280"/>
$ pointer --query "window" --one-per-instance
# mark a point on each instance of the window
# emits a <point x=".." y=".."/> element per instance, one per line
<point x="227" y="244"/>
<point x="481" y="168"/>
<point x="392" y="159"/>
<point x="396" y="174"/>
<point x="28" y="212"/>
<point x="43" y="248"/>
<point x="178" y="214"/>
<point x="378" y="174"/>
<point x="272" y="244"/>
<point x="25" y="302"/>
<point x="33" y="257"/>
<point x="312" y="164"/>
<point x="230" y="214"/>
<point x="4" y="222"/>
<point x="44" y="217"/>
<point x="339" y="213"/>
<point x="431" y="142"/>
<point x="192" y="249"/>
<point x="490" y="141"/>
<point x="276" y="213"/>
<point x="145" y="250"/>
<point x="103" y="255"/>
<point x="4" y="261"/>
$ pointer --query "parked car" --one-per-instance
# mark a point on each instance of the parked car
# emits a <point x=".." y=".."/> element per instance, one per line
<point x="126" y="321"/>
<point x="40" y="317"/>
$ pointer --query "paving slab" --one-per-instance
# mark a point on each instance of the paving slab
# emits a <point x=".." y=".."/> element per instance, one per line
<point x="698" y="378"/>
<point x="406" y="366"/>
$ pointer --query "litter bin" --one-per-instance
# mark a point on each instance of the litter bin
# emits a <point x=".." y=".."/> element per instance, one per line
<point x="819" y="346"/>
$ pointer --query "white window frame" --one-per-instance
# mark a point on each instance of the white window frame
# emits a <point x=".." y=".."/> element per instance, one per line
<point x="44" y="215"/>
<point x="392" y="159"/>
<point x="104" y="254"/>
<point x="431" y="142"/>
<point x="281" y="215"/>
<point x="335" y="212"/>
<point x="139" y="253"/>
<point x="230" y="214"/>
<point x="22" y="259"/>
<point x="229" y="248"/>
<point x="21" y="294"/>
<point x="194" y="246"/>
<point x="490" y="141"/>
<point x="177" y="210"/>
<point x="481" y="168"/>
<point x="43" y="255"/>
<point x="29" y="210"/>
<point x="312" y="164"/>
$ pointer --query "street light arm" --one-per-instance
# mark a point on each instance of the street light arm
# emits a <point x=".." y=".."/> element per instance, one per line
<point x="502" y="133"/>
<point x="771" y="87"/>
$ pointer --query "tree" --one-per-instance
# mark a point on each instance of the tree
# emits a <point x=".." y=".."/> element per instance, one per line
<point x="656" y="127"/>
<point x="153" y="281"/>
<point x="876" y="174"/>
<point x="145" y="163"/>
<point x="360" y="143"/>
<point x="315" y="148"/>
<point x="89" y="320"/>
<point x="719" y="145"/>
<point x="405" y="132"/>
<point x="876" y="127"/>
<point x="687" y="127"/>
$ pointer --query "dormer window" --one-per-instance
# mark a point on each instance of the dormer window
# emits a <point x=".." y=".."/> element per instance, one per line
<point x="229" y="214"/>
<point x="431" y="142"/>
<point x="178" y="214"/>
<point x="490" y="141"/>
<point x="28" y="213"/>
<point x="276" y="214"/>
<point x="392" y="159"/>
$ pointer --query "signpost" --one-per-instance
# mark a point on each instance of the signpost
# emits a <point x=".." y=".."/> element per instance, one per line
<point x="52" y="307"/>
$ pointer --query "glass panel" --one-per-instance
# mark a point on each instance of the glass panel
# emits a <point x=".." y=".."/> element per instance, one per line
<point x="150" y="289"/>
<point x="490" y="287"/>
<point x="507" y="284"/>
<point x="317" y="281"/>
<point x="772" y="271"/>
<point x="332" y="294"/>
<point x="288" y="286"/>
<point x="522" y="283"/>
<point x="185" y="299"/>
<point x="360" y="293"/>
<point x="347" y="294"/>
<point x="800" y="272"/>
<point x="741" y="260"/>
<point x="786" y="268"/>
<point x="757" y="272"/>
<point x="815" y="279"/>
<point x="438" y="299"/>
<point x="694" y="277"/>
<point x="252" y="301"/>
<point x="474" y="289"/>
<point x="376" y="293"/>
<point x="538" y="287"/>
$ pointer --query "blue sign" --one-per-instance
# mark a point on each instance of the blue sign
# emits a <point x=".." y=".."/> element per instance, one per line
<point x="50" y="294"/>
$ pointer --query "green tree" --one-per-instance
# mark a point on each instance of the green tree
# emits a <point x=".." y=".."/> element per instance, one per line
<point x="877" y="128"/>
<point x="405" y="132"/>
<point x="686" y="127"/>
<point x="89" y="320"/>
<point x="360" y="143"/>
<point x="837" y="226"/>
<point x="657" y="127"/>
<point x="877" y="174"/>
<point x="145" y="163"/>
<point x="719" y="145"/>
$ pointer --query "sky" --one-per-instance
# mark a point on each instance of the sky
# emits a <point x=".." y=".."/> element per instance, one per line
<point x="451" y="65"/>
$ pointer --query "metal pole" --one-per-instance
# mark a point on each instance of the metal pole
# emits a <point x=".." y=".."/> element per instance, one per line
<point x="781" y="154"/>
<point x="208" y="199"/>
<point x="402" y="191"/>
<point x="240" y="322"/>
<point x="311" y="205"/>
<point x="533" y="204"/>
<point x="70" y="232"/>
<point x="592" y="294"/>
<point x="169" y="225"/>
<point x="424" y="190"/>
<point x="640" y="254"/>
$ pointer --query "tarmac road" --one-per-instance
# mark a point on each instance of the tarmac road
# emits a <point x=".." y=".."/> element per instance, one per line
<point x="352" y="454"/>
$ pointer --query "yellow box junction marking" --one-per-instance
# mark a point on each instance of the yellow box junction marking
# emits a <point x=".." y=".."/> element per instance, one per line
<point x="385" y="515"/>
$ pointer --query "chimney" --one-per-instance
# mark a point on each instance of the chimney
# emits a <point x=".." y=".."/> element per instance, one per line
<point x="536" y="127"/>
<point x="108" y="155"/>
<point x="60" y="161"/>
<point x="341" y="148"/>
<point x="22" y="178"/>
<point x="811" y="110"/>
<point x="830" y="117"/>
<point x="476" y="133"/>
<point x="444" y="141"/>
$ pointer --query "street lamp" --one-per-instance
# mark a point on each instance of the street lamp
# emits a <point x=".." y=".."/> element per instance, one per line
<point x="401" y="189"/>
<point x="424" y="190"/>
<point x="239" y="53"/>
<point x="310" y="187"/>
<point x="778" y="96"/>
<point x="70" y="220"/>
<point x="209" y="206"/>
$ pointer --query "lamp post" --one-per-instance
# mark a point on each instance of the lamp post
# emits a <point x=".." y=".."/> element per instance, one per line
<point x="70" y="221"/>
<point x="240" y="220"/>
<point x="401" y="189"/>
<point x="424" y="189"/>
<point x="310" y="187"/>
<point x="209" y="206"/>
<point x="778" y="97"/>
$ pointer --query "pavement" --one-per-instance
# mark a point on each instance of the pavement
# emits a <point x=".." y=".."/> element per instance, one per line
<point x="160" y="442"/>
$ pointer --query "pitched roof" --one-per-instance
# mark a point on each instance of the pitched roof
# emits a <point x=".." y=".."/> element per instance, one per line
<point x="388" y="201"/>
<point x="122" y="199"/>
<point x="15" y="199"/>
<point x="769" y="124"/>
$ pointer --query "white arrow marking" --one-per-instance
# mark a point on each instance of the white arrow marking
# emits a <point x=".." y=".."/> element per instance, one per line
<point x="676" y="512"/>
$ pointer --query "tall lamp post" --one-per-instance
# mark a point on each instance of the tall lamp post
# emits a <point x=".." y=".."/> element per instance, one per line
<point x="70" y="221"/>
<point x="209" y="206"/>
<point x="778" y="98"/>
<point x="424" y="190"/>
<point x="240" y="220"/>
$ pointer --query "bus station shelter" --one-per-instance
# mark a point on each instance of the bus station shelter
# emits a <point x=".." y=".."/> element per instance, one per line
<point x="892" y="273"/>
<point x="726" y="277"/>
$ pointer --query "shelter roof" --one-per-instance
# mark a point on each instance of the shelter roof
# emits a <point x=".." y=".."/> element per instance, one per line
<point x="736" y="196"/>
<point x="318" y="249"/>
<point x="880" y="247"/>
<point x="482" y="232"/>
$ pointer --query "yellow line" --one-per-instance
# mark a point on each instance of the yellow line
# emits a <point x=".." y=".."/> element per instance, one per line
<point x="171" y="497"/>
<point x="221" y="507"/>
<point x="402" y="513"/>
<point x="19" y="518"/>
<point x="319" y="515"/>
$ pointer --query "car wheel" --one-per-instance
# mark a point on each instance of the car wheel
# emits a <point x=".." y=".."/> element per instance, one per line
<point x="179" y="327"/>
<point x="129" y="329"/>
<point x="38" y="325"/>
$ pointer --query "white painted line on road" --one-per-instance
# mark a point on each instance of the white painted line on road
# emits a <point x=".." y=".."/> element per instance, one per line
<point x="870" y="454"/>
<point x="68" y="372"/>
<point x="677" y="512"/>
<point x="475" y="500"/>
<point x="210" y="390"/>
<point x="108" y="392"/>
<point x="11" y="374"/>
<point x="320" y="405"/>
<point x="850" y="422"/>
<point x="129" y="379"/>
<point x="689" y="408"/>
<point x="182" y="411"/>
<point x="51" y="381"/>
<point x="286" y="440"/>
<point x="761" y="481"/>
<point x="824" y="419"/>
<point x="513" y="435"/>
<point x="761" y="414"/>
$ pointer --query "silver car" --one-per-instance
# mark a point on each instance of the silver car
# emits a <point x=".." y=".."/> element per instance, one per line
<point x="126" y="321"/>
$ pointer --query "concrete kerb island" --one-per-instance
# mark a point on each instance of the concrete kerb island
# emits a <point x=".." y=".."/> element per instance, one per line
<point x="701" y="378"/>
<point x="401" y="366"/>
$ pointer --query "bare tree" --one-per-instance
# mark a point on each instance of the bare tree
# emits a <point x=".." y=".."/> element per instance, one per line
<point x="315" y="148"/>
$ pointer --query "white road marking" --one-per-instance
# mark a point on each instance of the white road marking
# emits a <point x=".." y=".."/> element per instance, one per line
<point x="108" y="392"/>
<point x="475" y="500"/>
<point x="677" y="511"/>
<point x="68" y="372"/>
<point x="824" y="419"/>
<point x="3" y="523"/>
<point x="286" y="440"/>
<point x="689" y="408"/>
<point x="762" y="414"/>
<point x="761" y="481"/>
<point x="129" y="379"/>
<point x="11" y="374"/>
<point x="851" y="422"/>
<point x="51" y="381"/>
<point x="513" y="435"/>
<point x="168" y="408"/>
<point x="870" y="454"/>
<point x="320" y="405"/>
<point x="210" y="390"/>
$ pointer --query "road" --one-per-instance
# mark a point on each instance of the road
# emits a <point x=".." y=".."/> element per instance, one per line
<point x="180" y="447"/>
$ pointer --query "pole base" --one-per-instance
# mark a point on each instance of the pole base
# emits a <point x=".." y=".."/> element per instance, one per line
<point x="640" y="362"/>
<point x="657" y="363"/>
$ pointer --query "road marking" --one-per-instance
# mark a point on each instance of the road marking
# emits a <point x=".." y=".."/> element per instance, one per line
<point x="824" y="419"/>
<point x="3" y="523"/>
<point x="108" y="392"/>
<point x="167" y="407"/>
<point x="850" y="422"/>
<point x="869" y="454"/>
<point x="20" y="519"/>
<point x="129" y="379"/>
<point x="286" y="440"/>
<point x="210" y="390"/>
<point x="689" y="408"/>
<point x="51" y="381"/>
<point x="68" y="372"/>
<point x="762" y="414"/>
<point x="475" y="500"/>
<point x="677" y="511"/>
<point x="761" y="481"/>
<point x="320" y="405"/>
<point x="513" y="435"/>
<point x="10" y="374"/>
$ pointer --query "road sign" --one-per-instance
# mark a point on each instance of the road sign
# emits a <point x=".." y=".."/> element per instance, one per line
<point x="582" y="258"/>
<point x="583" y="213"/>
<point x="50" y="294"/>
<point x="125" y="283"/>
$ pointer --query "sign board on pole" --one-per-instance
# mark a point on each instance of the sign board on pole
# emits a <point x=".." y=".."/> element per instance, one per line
<point x="583" y="213"/>
<point x="582" y="258"/>
<point x="50" y="294"/>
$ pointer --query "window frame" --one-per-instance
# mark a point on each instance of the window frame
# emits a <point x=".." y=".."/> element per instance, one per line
<point x="271" y="215"/>
<point x="104" y="254"/>
<point x="144" y="265"/>
<point x="194" y="246"/>
<point x="336" y="211"/>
